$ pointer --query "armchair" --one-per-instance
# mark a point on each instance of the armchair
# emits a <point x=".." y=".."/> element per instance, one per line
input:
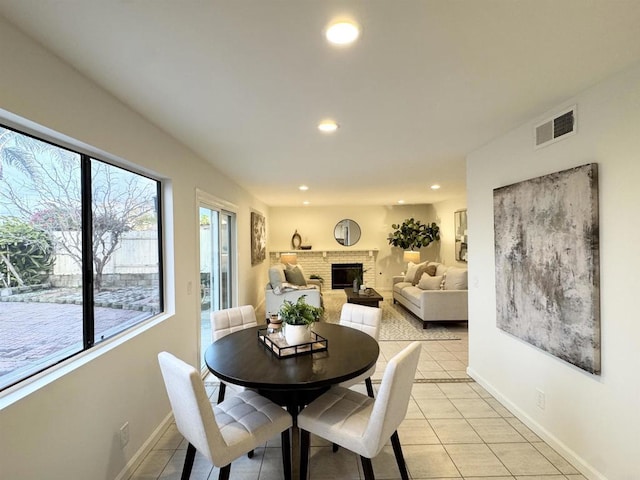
<point x="279" y="289"/>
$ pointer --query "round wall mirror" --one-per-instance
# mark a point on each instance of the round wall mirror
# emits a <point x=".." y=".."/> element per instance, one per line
<point x="347" y="232"/>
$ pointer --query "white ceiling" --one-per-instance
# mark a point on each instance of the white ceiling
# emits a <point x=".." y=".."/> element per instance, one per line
<point x="244" y="83"/>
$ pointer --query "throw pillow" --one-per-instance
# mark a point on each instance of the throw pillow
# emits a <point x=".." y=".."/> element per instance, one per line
<point x="427" y="282"/>
<point x="276" y="276"/>
<point x="292" y="266"/>
<point x="441" y="269"/>
<point x="422" y="268"/>
<point x="455" y="279"/>
<point x="412" y="268"/>
<point x="295" y="276"/>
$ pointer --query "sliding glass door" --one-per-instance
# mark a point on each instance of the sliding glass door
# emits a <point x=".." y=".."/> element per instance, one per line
<point x="217" y="252"/>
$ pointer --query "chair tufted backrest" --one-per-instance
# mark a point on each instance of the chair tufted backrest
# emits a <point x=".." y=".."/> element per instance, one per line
<point x="229" y="320"/>
<point x="192" y="411"/>
<point x="392" y="401"/>
<point x="366" y="319"/>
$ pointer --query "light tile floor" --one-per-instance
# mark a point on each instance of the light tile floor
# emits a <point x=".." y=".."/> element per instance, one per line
<point x="453" y="429"/>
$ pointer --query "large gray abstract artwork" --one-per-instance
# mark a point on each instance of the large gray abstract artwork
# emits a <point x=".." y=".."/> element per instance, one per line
<point x="547" y="264"/>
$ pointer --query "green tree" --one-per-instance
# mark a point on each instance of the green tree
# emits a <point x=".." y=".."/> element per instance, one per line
<point x="49" y="193"/>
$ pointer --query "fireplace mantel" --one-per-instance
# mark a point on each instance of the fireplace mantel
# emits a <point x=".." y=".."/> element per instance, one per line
<point x="374" y="251"/>
<point x="319" y="262"/>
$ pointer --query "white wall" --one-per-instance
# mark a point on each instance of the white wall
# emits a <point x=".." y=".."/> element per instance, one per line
<point x="69" y="427"/>
<point x="315" y="225"/>
<point x="592" y="419"/>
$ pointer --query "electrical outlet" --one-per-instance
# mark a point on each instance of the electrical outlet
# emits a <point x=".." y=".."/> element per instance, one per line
<point x="124" y="434"/>
<point x="540" y="400"/>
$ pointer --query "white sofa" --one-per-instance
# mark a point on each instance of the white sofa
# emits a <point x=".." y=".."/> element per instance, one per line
<point x="278" y="290"/>
<point x="433" y="297"/>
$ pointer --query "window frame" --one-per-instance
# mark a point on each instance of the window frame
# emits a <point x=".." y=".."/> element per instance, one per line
<point x="87" y="154"/>
<point x="207" y="200"/>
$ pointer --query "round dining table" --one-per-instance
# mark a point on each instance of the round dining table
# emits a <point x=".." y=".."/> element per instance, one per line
<point x="242" y="358"/>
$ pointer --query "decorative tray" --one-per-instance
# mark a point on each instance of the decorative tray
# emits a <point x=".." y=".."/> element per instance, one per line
<point x="279" y="346"/>
<point x="367" y="292"/>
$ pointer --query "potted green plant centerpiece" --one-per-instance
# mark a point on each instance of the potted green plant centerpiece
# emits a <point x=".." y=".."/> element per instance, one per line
<point x="298" y="318"/>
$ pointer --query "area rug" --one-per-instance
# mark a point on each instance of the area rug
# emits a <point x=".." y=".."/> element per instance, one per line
<point x="397" y="322"/>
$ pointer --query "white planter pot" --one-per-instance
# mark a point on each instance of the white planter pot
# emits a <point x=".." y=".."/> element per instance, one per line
<point x="297" y="334"/>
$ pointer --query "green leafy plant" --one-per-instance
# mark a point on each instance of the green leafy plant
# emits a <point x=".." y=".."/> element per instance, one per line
<point x="413" y="234"/>
<point x="299" y="313"/>
<point x="26" y="254"/>
<point x="360" y="278"/>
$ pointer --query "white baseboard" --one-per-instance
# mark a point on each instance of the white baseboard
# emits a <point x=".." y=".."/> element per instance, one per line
<point x="144" y="450"/>
<point x="572" y="457"/>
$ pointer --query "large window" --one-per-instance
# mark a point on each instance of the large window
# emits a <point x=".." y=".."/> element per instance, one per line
<point x="80" y="253"/>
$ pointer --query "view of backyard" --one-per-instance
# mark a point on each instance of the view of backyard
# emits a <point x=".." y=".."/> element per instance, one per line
<point x="63" y="213"/>
<point x="54" y="330"/>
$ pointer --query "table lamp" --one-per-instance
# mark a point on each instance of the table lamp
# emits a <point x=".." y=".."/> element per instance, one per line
<point x="290" y="258"/>
<point x="411" y="256"/>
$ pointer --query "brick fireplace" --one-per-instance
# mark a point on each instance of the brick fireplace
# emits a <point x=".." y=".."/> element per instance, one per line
<point x="319" y="262"/>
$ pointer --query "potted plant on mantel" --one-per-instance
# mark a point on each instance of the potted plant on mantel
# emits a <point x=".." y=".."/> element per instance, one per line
<point x="413" y="234"/>
<point x="298" y="318"/>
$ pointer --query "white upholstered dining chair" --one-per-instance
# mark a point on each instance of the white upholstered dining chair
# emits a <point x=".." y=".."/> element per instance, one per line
<point x="227" y="430"/>
<point x="366" y="319"/>
<point x="229" y="320"/>
<point x="360" y="423"/>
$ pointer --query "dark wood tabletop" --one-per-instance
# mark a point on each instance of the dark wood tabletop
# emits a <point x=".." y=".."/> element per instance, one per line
<point x="242" y="359"/>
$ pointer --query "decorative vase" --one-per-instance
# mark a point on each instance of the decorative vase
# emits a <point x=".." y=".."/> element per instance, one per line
<point x="355" y="285"/>
<point x="297" y="334"/>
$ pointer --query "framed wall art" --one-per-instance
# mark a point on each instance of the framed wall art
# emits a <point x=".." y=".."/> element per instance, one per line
<point x="547" y="264"/>
<point x="258" y="238"/>
<point x="460" y="223"/>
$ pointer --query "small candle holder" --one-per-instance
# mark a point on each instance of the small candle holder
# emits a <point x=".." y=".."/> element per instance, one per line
<point x="274" y="324"/>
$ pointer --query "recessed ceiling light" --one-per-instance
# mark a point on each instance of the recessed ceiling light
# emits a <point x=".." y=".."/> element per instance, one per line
<point x="306" y="202"/>
<point x="327" y="126"/>
<point x="435" y="187"/>
<point x="303" y="188"/>
<point x="342" y="33"/>
<point x="401" y="201"/>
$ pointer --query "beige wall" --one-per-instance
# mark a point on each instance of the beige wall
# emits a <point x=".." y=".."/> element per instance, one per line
<point x="592" y="420"/>
<point x="316" y="224"/>
<point x="65" y="425"/>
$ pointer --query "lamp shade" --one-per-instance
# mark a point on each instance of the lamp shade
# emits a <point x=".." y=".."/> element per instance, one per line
<point x="290" y="258"/>
<point x="411" y="256"/>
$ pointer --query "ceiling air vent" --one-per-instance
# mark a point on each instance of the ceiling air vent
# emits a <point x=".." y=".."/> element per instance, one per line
<point x="556" y="128"/>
